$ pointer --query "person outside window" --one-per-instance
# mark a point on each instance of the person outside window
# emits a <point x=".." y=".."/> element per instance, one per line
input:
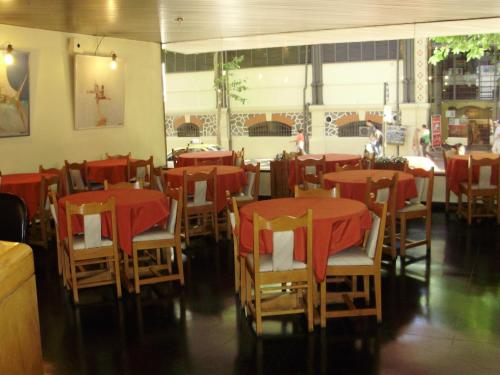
<point x="496" y="138"/>
<point x="376" y="138"/>
<point x="299" y="141"/>
<point x="425" y="139"/>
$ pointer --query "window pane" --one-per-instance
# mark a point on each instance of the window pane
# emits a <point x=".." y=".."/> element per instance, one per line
<point x="290" y="55"/>
<point x="341" y="52"/>
<point x="275" y="56"/>
<point x="354" y="51"/>
<point x="190" y="63"/>
<point x="259" y="57"/>
<point x="393" y="47"/>
<point x="368" y="51"/>
<point x="170" y="62"/>
<point x="180" y="62"/>
<point x="328" y="53"/>
<point x="247" y="58"/>
<point x="381" y="50"/>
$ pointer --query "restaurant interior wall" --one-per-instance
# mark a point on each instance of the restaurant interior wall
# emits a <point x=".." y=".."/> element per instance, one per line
<point x="53" y="137"/>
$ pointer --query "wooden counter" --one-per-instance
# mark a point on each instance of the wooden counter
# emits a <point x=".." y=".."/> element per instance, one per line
<point x="20" y="346"/>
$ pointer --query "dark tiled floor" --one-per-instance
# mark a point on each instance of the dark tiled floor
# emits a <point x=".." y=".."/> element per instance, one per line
<point x="450" y="325"/>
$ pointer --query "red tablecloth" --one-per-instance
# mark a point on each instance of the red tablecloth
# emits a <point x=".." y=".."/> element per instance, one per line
<point x="113" y="170"/>
<point x="457" y="170"/>
<point x="353" y="183"/>
<point x="189" y="158"/>
<point x="331" y="160"/>
<point x="337" y="224"/>
<point x="136" y="211"/>
<point x="228" y="178"/>
<point x="25" y="186"/>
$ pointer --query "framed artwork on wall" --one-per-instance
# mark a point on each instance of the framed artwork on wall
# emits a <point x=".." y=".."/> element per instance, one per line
<point x="99" y="93"/>
<point x="14" y="95"/>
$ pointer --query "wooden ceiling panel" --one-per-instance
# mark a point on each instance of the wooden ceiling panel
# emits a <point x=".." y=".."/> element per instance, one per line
<point x="155" y="20"/>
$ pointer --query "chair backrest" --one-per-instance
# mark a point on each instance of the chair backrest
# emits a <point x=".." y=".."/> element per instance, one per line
<point x="76" y="175"/>
<point x="55" y="171"/>
<point x="448" y="154"/>
<point x="174" y="218"/>
<point x="314" y="193"/>
<point x="175" y="155"/>
<point x="252" y="172"/>
<point x="233" y="213"/>
<point x="239" y="158"/>
<point x="53" y="209"/>
<point x="124" y="185"/>
<point x="13" y="218"/>
<point x="383" y="190"/>
<point x="374" y="238"/>
<point x="283" y="228"/>
<point x="203" y="183"/>
<point x="159" y="180"/>
<point x="485" y="167"/>
<point x="290" y="155"/>
<point x="47" y="185"/>
<point x="140" y="170"/>
<point x="217" y="161"/>
<point x="424" y="179"/>
<point x="348" y="167"/>
<point x="309" y="168"/>
<point x="118" y="156"/>
<point x="92" y="219"/>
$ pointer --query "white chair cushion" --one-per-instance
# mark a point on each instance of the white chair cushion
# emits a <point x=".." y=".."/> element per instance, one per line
<point x="79" y="243"/>
<point x="266" y="263"/>
<point x="154" y="234"/>
<point x="195" y="204"/>
<point x="353" y="256"/>
<point x="413" y="207"/>
<point x="243" y="198"/>
<point x="477" y="186"/>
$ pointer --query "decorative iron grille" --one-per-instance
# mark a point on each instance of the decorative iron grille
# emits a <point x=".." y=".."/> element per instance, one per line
<point x="270" y="129"/>
<point x="188" y="130"/>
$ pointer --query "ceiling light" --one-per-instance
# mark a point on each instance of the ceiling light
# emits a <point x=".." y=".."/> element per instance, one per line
<point x="8" y="58"/>
<point x="113" y="64"/>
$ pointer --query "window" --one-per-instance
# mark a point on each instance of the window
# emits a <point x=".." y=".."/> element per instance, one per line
<point x="270" y="129"/>
<point x="356" y="129"/>
<point x="188" y="130"/>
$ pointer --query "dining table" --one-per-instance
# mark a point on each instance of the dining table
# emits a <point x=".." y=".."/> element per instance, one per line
<point x="228" y="178"/>
<point x="27" y="187"/>
<point x="137" y="210"/>
<point x="338" y="223"/>
<point x="330" y="160"/>
<point x="191" y="158"/>
<point x="353" y="183"/>
<point x="113" y="170"/>
<point x="458" y="166"/>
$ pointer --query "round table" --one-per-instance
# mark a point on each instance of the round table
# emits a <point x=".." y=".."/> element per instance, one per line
<point x="457" y="169"/>
<point x="137" y="210"/>
<point x="330" y="161"/>
<point x="337" y="224"/>
<point x="228" y="178"/>
<point x="113" y="170"/>
<point x="190" y="158"/>
<point x="25" y="186"/>
<point x="353" y="183"/>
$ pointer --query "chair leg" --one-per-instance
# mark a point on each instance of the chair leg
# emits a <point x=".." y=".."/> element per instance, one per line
<point x="74" y="284"/>
<point x="366" y="289"/>
<point x="135" y="261"/>
<point x="258" y="308"/>
<point x="428" y="227"/>
<point x="323" y="303"/>
<point x="378" y="296"/>
<point x="243" y="282"/>
<point x="59" y="257"/>
<point x="237" y="277"/>
<point x="248" y="283"/>
<point x="117" y="275"/>
<point x="469" y="210"/>
<point x="43" y="232"/>
<point x="180" y="265"/>
<point x="402" y="240"/>
<point x="310" y="307"/>
<point x="168" y="256"/>
<point x="215" y="225"/>
<point x="186" y="227"/>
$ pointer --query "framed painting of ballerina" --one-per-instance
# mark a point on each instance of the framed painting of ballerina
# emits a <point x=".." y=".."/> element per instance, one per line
<point x="14" y="94"/>
<point x="99" y="92"/>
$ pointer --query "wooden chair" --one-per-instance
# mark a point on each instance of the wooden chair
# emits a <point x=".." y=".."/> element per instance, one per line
<point x="198" y="206"/>
<point x="317" y="193"/>
<point x="483" y="198"/>
<point x="217" y="161"/>
<point x="357" y="261"/>
<point x="76" y="176"/>
<point x="54" y="214"/>
<point x="55" y="171"/>
<point x="140" y="170"/>
<point x="176" y="154"/>
<point x="446" y="155"/>
<point x="348" y="167"/>
<point x="42" y="216"/>
<point x="415" y="209"/>
<point x="290" y="155"/>
<point x="385" y="191"/>
<point x="265" y="275"/>
<point x="250" y="192"/>
<point x="233" y="216"/>
<point x="159" y="180"/>
<point x="309" y="170"/>
<point x="91" y="249"/>
<point x="239" y="158"/>
<point x="123" y="185"/>
<point x="118" y="156"/>
<point x="157" y="265"/>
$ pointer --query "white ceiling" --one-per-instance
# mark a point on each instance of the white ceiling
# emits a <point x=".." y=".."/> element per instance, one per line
<point x="215" y="21"/>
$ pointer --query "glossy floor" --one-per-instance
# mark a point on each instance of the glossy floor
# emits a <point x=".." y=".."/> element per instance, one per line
<point x="448" y="325"/>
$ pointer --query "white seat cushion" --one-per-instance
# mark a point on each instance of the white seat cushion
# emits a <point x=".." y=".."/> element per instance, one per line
<point x="196" y="204"/>
<point x="153" y="234"/>
<point x="353" y="256"/>
<point x="413" y="207"/>
<point x="266" y="263"/>
<point x="79" y="243"/>
<point x="243" y="198"/>
<point x="477" y="186"/>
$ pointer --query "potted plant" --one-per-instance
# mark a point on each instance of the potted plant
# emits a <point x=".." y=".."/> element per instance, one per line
<point x="397" y="163"/>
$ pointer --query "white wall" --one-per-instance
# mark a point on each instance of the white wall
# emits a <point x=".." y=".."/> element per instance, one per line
<point x="53" y="137"/>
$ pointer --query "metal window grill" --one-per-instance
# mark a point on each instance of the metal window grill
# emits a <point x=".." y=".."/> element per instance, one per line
<point x="270" y="129"/>
<point x="356" y="129"/>
<point x="188" y="130"/>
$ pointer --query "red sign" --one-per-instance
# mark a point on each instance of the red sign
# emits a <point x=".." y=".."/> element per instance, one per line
<point x="436" y="130"/>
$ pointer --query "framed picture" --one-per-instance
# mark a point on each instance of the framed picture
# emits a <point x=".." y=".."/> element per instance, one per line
<point x="99" y="93"/>
<point x="15" y="95"/>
